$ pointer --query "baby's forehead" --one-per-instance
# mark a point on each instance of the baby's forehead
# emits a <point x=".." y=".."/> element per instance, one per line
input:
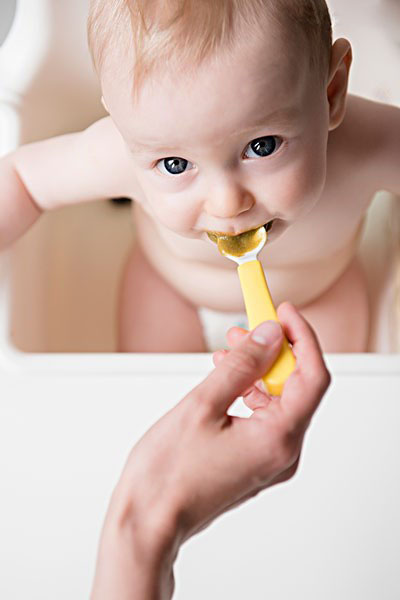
<point x="149" y="59"/>
<point x="258" y="65"/>
<point x="212" y="103"/>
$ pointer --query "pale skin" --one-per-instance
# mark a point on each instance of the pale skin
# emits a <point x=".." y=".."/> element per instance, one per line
<point x="330" y="154"/>
<point x="168" y="493"/>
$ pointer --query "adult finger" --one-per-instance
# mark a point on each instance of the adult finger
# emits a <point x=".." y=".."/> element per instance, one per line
<point x="258" y="385"/>
<point x="255" y="398"/>
<point x="234" y="335"/>
<point x="304" y="389"/>
<point x="219" y="355"/>
<point x="239" y="369"/>
<point x="305" y="343"/>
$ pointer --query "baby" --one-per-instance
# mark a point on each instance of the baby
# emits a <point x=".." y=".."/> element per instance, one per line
<point x="224" y="116"/>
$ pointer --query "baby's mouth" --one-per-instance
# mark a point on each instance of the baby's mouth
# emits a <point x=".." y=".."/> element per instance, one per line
<point x="268" y="225"/>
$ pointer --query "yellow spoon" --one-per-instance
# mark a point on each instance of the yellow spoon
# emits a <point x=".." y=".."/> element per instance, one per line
<point x="243" y="249"/>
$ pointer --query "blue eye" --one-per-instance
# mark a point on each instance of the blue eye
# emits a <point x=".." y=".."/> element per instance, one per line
<point x="173" y="165"/>
<point x="263" y="146"/>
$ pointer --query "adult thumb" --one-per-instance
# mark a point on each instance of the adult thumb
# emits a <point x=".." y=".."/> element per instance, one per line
<point x="241" y="367"/>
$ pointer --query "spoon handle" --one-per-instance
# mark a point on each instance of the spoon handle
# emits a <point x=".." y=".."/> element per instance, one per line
<point x="260" y="308"/>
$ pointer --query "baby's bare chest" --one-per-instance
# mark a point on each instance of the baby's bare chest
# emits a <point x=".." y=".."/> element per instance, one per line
<point x="303" y="262"/>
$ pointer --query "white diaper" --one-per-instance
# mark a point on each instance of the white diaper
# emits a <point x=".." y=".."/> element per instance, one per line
<point x="216" y="323"/>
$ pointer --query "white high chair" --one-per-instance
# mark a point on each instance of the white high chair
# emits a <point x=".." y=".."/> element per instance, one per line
<point x="48" y="87"/>
<point x="67" y="421"/>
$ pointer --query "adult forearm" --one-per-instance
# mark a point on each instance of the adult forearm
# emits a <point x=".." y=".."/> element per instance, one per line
<point x="121" y="574"/>
<point x="18" y="210"/>
<point x="129" y="565"/>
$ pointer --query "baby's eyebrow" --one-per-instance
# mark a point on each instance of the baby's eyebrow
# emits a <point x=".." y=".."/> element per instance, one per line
<point x="143" y="147"/>
<point x="281" y="117"/>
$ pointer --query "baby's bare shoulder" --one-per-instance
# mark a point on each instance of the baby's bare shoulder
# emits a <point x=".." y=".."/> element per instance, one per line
<point x="373" y="119"/>
<point x="369" y="137"/>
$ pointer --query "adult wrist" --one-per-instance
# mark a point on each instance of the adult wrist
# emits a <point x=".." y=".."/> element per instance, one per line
<point x="153" y="530"/>
<point x="136" y="554"/>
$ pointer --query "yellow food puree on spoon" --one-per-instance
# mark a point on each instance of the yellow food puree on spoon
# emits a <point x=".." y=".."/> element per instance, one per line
<point x="237" y="245"/>
<point x="243" y="249"/>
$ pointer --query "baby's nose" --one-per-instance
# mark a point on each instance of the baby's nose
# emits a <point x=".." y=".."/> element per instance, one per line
<point x="229" y="200"/>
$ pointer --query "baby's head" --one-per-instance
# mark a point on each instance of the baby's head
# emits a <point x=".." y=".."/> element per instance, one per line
<point x="225" y="106"/>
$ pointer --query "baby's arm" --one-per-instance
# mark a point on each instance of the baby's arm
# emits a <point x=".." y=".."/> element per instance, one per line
<point x="72" y="168"/>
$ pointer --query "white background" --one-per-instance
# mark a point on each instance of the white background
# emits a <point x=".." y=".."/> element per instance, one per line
<point x="331" y="533"/>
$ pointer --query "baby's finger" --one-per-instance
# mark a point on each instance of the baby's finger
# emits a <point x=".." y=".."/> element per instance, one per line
<point x="304" y="389"/>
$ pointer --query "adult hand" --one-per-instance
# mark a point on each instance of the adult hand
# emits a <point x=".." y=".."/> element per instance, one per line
<point x="197" y="462"/>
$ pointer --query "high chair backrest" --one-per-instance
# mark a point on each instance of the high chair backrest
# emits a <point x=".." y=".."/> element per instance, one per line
<point x="46" y="74"/>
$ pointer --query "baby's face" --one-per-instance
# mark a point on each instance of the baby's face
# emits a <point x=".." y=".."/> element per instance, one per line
<point x="230" y="147"/>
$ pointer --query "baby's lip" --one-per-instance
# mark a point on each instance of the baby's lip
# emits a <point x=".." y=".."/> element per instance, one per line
<point x="267" y="226"/>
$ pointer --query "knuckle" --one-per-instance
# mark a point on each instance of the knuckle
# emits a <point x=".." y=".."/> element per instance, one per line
<point x="327" y="379"/>
<point x="323" y="382"/>
<point x="280" y="451"/>
<point x="291" y="471"/>
<point x="280" y="455"/>
<point x="288" y="447"/>
<point x="243" y="362"/>
<point x="288" y="454"/>
<point x="294" y="468"/>
<point x="319" y="380"/>
<point x="199" y="415"/>
<point x="195" y="409"/>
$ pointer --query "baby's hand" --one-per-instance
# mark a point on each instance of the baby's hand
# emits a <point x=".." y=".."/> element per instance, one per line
<point x="197" y="462"/>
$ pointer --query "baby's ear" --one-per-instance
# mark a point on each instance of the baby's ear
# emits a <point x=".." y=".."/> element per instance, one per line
<point x="341" y="58"/>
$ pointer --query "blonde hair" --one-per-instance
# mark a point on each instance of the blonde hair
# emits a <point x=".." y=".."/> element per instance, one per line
<point x="154" y="32"/>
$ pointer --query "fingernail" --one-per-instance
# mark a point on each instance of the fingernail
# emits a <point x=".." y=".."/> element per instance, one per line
<point x="266" y="333"/>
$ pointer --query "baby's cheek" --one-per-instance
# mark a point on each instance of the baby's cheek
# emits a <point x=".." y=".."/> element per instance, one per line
<point x="303" y="187"/>
<point x="178" y="215"/>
